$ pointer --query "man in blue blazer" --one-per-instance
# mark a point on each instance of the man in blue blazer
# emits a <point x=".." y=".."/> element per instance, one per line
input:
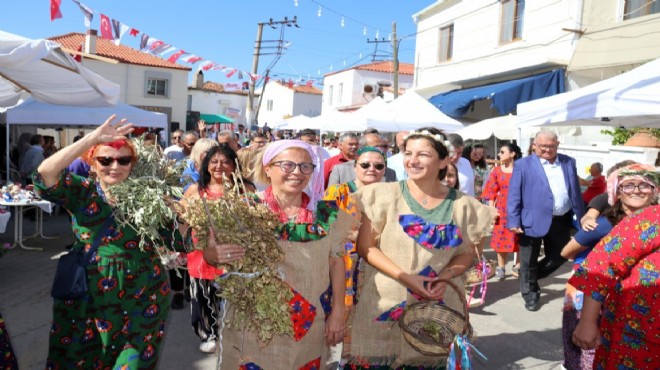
<point x="544" y="195"/>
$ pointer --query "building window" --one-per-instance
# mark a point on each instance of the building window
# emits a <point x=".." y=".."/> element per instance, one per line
<point x="157" y="87"/>
<point x="331" y="91"/>
<point x="340" y="93"/>
<point x="640" y="8"/>
<point x="446" y="43"/>
<point x="269" y="105"/>
<point x="512" y="20"/>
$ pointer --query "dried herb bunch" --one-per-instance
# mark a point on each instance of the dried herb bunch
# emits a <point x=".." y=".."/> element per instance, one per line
<point x="144" y="200"/>
<point x="258" y="296"/>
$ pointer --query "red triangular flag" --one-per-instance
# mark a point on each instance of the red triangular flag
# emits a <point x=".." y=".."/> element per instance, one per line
<point x="106" y="28"/>
<point x="78" y="57"/>
<point x="173" y="58"/>
<point x="134" y="32"/>
<point x="55" y="9"/>
<point x="231" y="73"/>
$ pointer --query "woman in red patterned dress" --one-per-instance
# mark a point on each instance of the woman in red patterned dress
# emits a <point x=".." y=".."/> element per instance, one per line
<point x="503" y="241"/>
<point x="621" y="283"/>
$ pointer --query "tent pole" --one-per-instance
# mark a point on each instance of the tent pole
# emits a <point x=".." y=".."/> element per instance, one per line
<point x="8" y="151"/>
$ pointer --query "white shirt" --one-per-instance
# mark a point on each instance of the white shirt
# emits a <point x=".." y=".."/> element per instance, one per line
<point x="465" y="176"/>
<point x="395" y="163"/>
<point x="333" y="152"/>
<point x="562" y="203"/>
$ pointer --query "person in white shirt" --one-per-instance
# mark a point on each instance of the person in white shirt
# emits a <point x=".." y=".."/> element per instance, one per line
<point x="395" y="162"/>
<point x="465" y="172"/>
<point x="175" y="151"/>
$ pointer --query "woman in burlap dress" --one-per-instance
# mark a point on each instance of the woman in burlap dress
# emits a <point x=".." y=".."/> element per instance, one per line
<point x="312" y="234"/>
<point x="413" y="233"/>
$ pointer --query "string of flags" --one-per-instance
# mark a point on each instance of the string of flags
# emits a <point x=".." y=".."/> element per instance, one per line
<point x="114" y="30"/>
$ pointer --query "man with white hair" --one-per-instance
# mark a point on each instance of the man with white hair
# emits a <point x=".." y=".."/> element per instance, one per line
<point x="544" y="195"/>
<point x="465" y="171"/>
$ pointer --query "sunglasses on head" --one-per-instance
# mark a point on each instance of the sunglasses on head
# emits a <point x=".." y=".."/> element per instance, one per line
<point x="107" y="161"/>
<point x="377" y="166"/>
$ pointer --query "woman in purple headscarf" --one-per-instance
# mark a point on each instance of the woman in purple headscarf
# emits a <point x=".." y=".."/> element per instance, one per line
<point x="312" y="234"/>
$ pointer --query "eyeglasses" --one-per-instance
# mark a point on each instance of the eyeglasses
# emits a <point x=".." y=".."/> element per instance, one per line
<point x="289" y="166"/>
<point x="377" y="166"/>
<point x="642" y="187"/>
<point x="548" y="147"/>
<point x="383" y="146"/>
<point x="176" y="137"/>
<point x="107" y="161"/>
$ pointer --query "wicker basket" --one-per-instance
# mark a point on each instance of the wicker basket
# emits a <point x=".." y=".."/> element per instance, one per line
<point x="473" y="274"/>
<point x="430" y="327"/>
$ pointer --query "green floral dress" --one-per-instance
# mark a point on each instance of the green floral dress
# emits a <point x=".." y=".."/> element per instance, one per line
<point x="120" y="324"/>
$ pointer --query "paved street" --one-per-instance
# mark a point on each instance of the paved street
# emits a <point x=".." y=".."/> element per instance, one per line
<point x="510" y="336"/>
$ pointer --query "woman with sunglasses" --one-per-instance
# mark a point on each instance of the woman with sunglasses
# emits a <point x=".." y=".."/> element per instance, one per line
<point x="312" y="233"/>
<point x="121" y="321"/>
<point x="503" y="241"/>
<point x="370" y="164"/>
<point x="630" y="189"/>
<point x="413" y="234"/>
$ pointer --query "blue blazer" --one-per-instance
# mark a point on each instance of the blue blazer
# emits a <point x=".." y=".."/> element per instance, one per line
<point x="530" y="202"/>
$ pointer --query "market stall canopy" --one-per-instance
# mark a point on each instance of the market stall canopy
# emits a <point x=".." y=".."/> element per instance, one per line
<point x="503" y="128"/>
<point x="410" y="112"/>
<point x="503" y="95"/>
<point x="299" y="122"/>
<point x="49" y="74"/>
<point x="32" y="112"/>
<point x="211" y="119"/>
<point x="630" y="99"/>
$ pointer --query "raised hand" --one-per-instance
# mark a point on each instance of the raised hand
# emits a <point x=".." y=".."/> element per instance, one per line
<point x="111" y="131"/>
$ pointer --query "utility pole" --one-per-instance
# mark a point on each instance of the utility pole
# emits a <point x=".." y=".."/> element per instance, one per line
<point x="375" y="55"/>
<point x="395" y="63"/>
<point x="249" y="114"/>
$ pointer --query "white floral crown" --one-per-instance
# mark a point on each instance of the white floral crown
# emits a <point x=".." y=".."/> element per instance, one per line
<point x="436" y="137"/>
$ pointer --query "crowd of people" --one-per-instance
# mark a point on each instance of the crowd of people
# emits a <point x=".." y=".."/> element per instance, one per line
<point x="367" y="229"/>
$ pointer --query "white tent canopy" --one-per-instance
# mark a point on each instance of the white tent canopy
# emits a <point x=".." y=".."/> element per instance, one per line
<point x="32" y="112"/>
<point x="411" y="112"/>
<point x="503" y="128"/>
<point x="49" y="74"/>
<point x="292" y="123"/>
<point x="629" y="100"/>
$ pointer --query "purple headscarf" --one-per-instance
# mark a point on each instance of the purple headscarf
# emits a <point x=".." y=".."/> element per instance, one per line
<point x="315" y="186"/>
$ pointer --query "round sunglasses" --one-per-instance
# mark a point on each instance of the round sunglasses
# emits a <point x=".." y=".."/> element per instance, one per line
<point x="290" y="166"/>
<point x="122" y="161"/>
<point x="377" y="166"/>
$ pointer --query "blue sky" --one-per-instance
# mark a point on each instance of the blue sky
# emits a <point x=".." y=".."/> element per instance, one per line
<point x="224" y="31"/>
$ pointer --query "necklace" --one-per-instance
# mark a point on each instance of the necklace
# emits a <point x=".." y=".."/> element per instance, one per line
<point x="304" y="216"/>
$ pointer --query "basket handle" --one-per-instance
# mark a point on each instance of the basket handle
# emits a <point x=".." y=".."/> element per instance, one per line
<point x="461" y="295"/>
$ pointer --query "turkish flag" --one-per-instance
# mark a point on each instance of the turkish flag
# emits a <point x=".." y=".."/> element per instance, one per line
<point x="106" y="28"/>
<point x="55" y="9"/>
<point x="134" y="32"/>
<point x="192" y="59"/>
<point x="231" y="73"/>
<point x="173" y="58"/>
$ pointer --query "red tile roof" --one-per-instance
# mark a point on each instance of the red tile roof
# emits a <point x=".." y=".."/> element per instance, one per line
<point x="120" y="53"/>
<point x="213" y="86"/>
<point x="383" y="66"/>
<point x="303" y="89"/>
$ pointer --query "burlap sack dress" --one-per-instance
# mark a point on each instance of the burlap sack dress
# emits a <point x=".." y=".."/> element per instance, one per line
<point x="306" y="270"/>
<point x="377" y="339"/>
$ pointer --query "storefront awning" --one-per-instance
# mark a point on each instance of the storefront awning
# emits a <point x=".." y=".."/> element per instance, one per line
<point x="215" y="118"/>
<point x="505" y="96"/>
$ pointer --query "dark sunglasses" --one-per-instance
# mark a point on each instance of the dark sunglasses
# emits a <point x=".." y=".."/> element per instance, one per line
<point x="107" y="161"/>
<point x="377" y="166"/>
<point x="289" y="166"/>
<point x="176" y="137"/>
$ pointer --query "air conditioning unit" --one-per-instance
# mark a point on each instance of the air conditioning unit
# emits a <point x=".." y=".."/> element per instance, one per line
<point x="370" y="89"/>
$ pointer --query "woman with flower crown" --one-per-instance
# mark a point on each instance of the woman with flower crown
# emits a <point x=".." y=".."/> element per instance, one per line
<point x="416" y="236"/>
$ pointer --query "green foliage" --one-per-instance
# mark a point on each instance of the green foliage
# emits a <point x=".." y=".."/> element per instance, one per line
<point x="621" y="135"/>
<point x="143" y="201"/>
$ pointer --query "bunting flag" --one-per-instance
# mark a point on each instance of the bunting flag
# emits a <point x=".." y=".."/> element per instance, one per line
<point x="191" y="59"/>
<point x="116" y="29"/>
<point x="87" y="12"/>
<point x="207" y="65"/>
<point x="134" y="32"/>
<point x="106" y="28"/>
<point x="78" y="57"/>
<point x="231" y="73"/>
<point x="160" y="48"/>
<point x="240" y="75"/>
<point x="166" y="50"/>
<point x="122" y="31"/>
<point x="154" y="43"/>
<point x="218" y="67"/>
<point x="174" y="57"/>
<point x="253" y="77"/>
<point x="144" y="39"/>
<point x="55" y="9"/>
<point x="309" y="83"/>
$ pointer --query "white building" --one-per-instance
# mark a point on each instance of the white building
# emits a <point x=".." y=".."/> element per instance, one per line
<point x="147" y="81"/>
<point x="354" y="87"/>
<point x="281" y="100"/>
<point x="217" y="99"/>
